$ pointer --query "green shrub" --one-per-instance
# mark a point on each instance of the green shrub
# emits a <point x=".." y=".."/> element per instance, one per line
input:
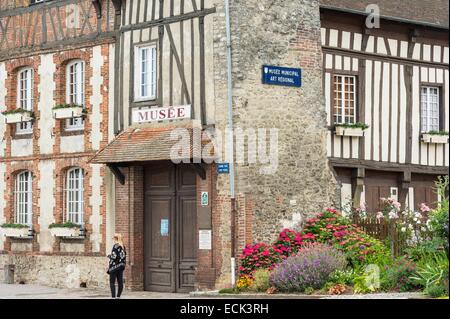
<point x="65" y="225"/>
<point x="436" y="291"/>
<point x="334" y="229"/>
<point x="309" y="291"/>
<point x="432" y="271"/>
<point x="398" y="277"/>
<point x="228" y="291"/>
<point x="261" y="280"/>
<point x="439" y="217"/>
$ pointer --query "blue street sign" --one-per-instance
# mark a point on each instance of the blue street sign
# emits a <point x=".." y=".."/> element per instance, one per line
<point x="223" y="168"/>
<point x="276" y="75"/>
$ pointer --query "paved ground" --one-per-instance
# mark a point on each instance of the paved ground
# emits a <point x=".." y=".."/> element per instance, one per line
<point x="42" y="292"/>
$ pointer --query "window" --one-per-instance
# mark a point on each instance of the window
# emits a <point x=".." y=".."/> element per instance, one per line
<point x="37" y="1"/>
<point x="145" y="73"/>
<point x="75" y="92"/>
<point x="23" y="199"/>
<point x="74" y="195"/>
<point x="430" y="109"/>
<point x="25" y="98"/>
<point x="344" y="99"/>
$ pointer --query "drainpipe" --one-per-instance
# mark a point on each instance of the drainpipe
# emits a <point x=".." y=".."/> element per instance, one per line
<point x="231" y="144"/>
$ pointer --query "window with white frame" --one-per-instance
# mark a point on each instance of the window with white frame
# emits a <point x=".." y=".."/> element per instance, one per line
<point x="75" y="92"/>
<point x="23" y="198"/>
<point x="25" y="98"/>
<point x="145" y="73"/>
<point x="344" y="99"/>
<point x="430" y="109"/>
<point x="74" y="195"/>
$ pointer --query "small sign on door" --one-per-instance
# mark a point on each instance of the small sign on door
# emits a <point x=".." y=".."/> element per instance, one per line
<point x="204" y="239"/>
<point x="164" y="227"/>
<point x="205" y="199"/>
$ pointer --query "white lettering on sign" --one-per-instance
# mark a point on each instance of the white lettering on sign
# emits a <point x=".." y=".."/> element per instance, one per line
<point x="162" y="114"/>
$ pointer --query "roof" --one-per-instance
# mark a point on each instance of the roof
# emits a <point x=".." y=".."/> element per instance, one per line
<point x="428" y="12"/>
<point x="167" y="142"/>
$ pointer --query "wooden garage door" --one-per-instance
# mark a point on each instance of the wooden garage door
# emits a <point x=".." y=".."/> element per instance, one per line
<point x="170" y="228"/>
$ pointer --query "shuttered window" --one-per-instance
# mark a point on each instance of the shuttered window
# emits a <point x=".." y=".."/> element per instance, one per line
<point x="75" y="195"/>
<point x="75" y="92"/>
<point x="145" y="73"/>
<point x="25" y="98"/>
<point x="344" y="100"/>
<point x="430" y="109"/>
<point x="23" y="198"/>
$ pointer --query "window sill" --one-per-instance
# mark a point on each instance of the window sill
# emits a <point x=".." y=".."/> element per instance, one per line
<point x="349" y="131"/>
<point x="66" y="132"/>
<point x="434" y="139"/>
<point x="25" y="136"/>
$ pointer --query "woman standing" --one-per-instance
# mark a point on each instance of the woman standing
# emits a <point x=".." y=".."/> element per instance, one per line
<point x="117" y="262"/>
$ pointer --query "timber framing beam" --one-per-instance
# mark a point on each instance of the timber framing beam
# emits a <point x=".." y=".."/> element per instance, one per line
<point x="117" y="173"/>
<point x="388" y="167"/>
<point x="199" y="169"/>
<point x="168" y="20"/>
<point x="98" y="8"/>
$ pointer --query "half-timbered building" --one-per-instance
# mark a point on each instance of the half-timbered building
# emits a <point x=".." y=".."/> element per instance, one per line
<point x="56" y="67"/>
<point x="393" y="77"/>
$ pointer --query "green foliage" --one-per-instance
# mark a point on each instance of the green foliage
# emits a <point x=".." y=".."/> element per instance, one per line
<point x="432" y="271"/>
<point x="65" y="106"/>
<point x="15" y="111"/>
<point x="438" y="133"/>
<point x="343" y="277"/>
<point x="64" y="225"/>
<point x="352" y="125"/>
<point x="361" y="284"/>
<point x="309" y="291"/>
<point x="398" y="276"/>
<point x="436" y="291"/>
<point x="334" y="229"/>
<point x="261" y="280"/>
<point x="14" y="226"/>
<point x="228" y="291"/>
<point x="439" y="219"/>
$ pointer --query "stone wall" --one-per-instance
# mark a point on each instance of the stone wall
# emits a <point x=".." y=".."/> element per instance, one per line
<point x="282" y="33"/>
<point x="57" y="271"/>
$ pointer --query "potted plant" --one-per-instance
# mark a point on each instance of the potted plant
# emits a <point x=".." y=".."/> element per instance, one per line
<point x="67" y="229"/>
<point x="15" y="230"/>
<point x="17" y="116"/>
<point x="350" y="129"/>
<point x="68" y="111"/>
<point x="435" y="137"/>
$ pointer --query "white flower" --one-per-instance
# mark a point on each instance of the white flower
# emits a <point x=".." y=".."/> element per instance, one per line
<point x="419" y="222"/>
<point x="403" y="229"/>
<point x="393" y="215"/>
<point x="424" y="229"/>
<point x="415" y="219"/>
<point x="410" y="226"/>
<point x="418" y="215"/>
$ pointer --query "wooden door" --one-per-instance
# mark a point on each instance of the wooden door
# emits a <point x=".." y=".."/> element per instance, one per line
<point x="170" y="228"/>
<point x="373" y="196"/>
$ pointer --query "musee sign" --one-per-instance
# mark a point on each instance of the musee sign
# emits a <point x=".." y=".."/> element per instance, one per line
<point x="162" y="114"/>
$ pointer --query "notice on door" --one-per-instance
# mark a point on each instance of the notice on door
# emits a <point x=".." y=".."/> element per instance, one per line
<point x="204" y="239"/>
<point x="164" y="227"/>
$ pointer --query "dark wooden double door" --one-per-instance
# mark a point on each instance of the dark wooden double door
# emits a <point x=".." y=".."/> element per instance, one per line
<point x="170" y="228"/>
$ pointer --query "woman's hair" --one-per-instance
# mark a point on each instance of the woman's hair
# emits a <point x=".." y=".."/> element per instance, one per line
<point x="118" y="239"/>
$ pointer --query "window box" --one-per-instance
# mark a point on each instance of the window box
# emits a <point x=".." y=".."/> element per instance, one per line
<point x="65" y="230"/>
<point x="17" y="116"/>
<point x="350" y="129"/>
<point x="15" y="231"/>
<point x="68" y="111"/>
<point x="435" y="138"/>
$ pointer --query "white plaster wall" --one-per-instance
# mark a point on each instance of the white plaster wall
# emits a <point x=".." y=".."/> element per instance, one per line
<point x="2" y="107"/>
<point x="46" y="102"/>
<point x="46" y="204"/>
<point x="346" y="194"/>
<point x="72" y="144"/>
<point x="95" y="201"/>
<point x="96" y="98"/>
<point x="22" y="147"/>
<point x="2" y="202"/>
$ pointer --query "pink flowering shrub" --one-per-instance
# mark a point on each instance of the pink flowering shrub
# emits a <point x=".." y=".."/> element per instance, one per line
<point x="258" y="256"/>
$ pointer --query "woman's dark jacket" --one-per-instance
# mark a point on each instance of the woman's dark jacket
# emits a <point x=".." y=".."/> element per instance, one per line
<point x="117" y="259"/>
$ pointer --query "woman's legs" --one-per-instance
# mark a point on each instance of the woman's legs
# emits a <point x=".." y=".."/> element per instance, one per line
<point x="120" y="282"/>
<point x="112" y="283"/>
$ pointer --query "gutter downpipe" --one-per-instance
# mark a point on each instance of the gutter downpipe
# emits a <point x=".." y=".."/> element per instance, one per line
<point x="230" y="144"/>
